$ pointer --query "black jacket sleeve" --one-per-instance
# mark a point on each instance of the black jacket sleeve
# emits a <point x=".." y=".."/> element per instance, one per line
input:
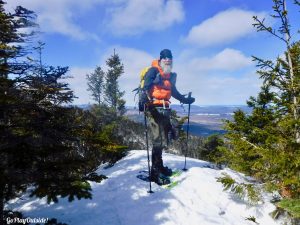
<point x="175" y="92"/>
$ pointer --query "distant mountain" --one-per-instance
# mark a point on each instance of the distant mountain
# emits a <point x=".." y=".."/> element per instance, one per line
<point x="204" y="130"/>
<point x="211" y="109"/>
<point x="195" y="109"/>
<point x="204" y="120"/>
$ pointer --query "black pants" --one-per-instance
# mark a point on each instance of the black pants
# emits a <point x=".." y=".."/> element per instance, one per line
<point x="159" y="126"/>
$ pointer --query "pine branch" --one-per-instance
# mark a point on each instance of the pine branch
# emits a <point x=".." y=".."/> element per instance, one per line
<point x="264" y="63"/>
<point x="242" y="190"/>
<point x="268" y="75"/>
<point x="279" y="8"/>
<point x="245" y="140"/>
<point x="260" y="26"/>
<point x="252" y="219"/>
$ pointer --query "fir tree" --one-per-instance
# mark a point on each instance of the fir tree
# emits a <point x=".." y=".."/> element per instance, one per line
<point x="11" y="39"/>
<point x="95" y="83"/>
<point x="265" y="144"/>
<point x="113" y="94"/>
<point x="11" y="48"/>
<point x="283" y="75"/>
<point x="44" y="143"/>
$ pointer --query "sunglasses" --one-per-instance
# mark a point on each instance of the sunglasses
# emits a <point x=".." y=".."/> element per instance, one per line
<point x="166" y="58"/>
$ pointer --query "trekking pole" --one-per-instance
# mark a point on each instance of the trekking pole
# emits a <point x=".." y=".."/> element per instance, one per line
<point x="187" y="134"/>
<point x="147" y="145"/>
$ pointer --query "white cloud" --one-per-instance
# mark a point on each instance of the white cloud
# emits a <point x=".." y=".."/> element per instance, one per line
<point x="133" y="60"/>
<point x="228" y="90"/>
<point x="226" y="78"/>
<point x="133" y="17"/>
<point x="225" y="27"/>
<point x="127" y="17"/>
<point x="58" y="16"/>
<point x="79" y="85"/>
<point x="228" y="60"/>
<point x="221" y="79"/>
<point x="212" y="88"/>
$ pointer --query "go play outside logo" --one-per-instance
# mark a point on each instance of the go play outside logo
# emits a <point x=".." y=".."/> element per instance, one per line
<point x="26" y="220"/>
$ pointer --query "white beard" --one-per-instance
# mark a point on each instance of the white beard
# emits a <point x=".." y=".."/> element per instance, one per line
<point x="166" y="68"/>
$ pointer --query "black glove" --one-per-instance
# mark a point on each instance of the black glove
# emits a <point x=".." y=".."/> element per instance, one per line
<point x="188" y="100"/>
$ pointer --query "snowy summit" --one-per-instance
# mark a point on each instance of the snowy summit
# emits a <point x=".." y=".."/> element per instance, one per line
<point x="198" y="199"/>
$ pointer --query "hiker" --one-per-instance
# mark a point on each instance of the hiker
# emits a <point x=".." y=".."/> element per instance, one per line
<point x="159" y="85"/>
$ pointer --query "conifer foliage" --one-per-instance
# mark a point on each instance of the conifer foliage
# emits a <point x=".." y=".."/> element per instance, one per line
<point x="104" y="87"/>
<point x="266" y="144"/>
<point x="96" y="84"/>
<point x="110" y="107"/>
<point x="44" y="143"/>
<point x="11" y="104"/>
<point x="113" y="94"/>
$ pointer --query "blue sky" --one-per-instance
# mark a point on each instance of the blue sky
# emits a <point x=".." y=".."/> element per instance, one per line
<point x="212" y="42"/>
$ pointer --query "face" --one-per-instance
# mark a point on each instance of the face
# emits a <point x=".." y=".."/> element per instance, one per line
<point x="166" y="65"/>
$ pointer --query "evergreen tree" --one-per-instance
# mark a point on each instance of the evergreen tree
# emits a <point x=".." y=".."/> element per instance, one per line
<point x="265" y="144"/>
<point x="95" y="83"/>
<point x="11" y="39"/>
<point x="44" y="143"/>
<point x="11" y="48"/>
<point x="113" y="95"/>
<point x="211" y="150"/>
<point x="105" y="91"/>
<point x="285" y="74"/>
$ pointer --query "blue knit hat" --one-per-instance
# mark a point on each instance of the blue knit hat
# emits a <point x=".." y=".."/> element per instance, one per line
<point x="166" y="53"/>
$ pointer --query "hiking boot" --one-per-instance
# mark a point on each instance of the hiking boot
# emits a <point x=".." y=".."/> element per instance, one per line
<point x="160" y="179"/>
<point x="166" y="171"/>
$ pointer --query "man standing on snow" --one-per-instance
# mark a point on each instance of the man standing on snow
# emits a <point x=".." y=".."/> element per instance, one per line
<point x="160" y="86"/>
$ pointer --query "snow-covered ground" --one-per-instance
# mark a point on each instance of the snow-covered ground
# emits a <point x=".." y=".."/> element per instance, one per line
<point x="123" y="199"/>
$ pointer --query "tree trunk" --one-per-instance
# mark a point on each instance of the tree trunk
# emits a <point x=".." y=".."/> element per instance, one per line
<point x="291" y="69"/>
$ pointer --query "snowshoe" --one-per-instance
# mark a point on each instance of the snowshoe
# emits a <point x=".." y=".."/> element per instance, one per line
<point x="143" y="177"/>
<point x="161" y="179"/>
<point x="174" y="181"/>
<point x="166" y="182"/>
<point x="176" y="173"/>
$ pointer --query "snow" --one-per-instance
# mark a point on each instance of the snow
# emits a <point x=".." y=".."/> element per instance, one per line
<point x="123" y="199"/>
